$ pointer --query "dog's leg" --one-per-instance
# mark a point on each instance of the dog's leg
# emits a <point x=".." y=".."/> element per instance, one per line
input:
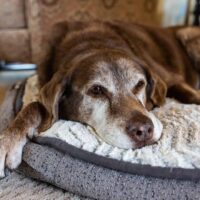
<point x="13" y="139"/>
<point x="184" y="93"/>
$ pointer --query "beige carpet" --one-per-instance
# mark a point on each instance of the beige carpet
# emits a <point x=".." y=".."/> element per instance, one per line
<point x="18" y="187"/>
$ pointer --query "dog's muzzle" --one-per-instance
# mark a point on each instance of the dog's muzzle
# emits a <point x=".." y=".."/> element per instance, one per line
<point x="140" y="129"/>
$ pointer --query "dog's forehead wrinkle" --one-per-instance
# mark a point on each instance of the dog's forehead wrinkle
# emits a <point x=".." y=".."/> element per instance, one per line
<point x="117" y="76"/>
<point x="130" y="71"/>
<point x="102" y="75"/>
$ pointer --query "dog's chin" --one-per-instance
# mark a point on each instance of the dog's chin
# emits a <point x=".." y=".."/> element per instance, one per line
<point x="128" y="145"/>
<point x="115" y="136"/>
<point x="118" y="138"/>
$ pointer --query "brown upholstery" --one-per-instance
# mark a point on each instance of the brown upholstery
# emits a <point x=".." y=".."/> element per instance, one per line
<point x="22" y="22"/>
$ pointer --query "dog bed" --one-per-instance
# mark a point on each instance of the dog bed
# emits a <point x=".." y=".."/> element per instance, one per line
<point x="84" y="164"/>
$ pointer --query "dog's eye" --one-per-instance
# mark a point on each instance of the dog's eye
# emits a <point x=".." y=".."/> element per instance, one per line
<point x="97" y="90"/>
<point x="138" y="86"/>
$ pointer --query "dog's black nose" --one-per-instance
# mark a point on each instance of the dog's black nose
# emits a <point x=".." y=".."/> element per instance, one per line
<point x="140" y="128"/>
<point x="140" y="132"/>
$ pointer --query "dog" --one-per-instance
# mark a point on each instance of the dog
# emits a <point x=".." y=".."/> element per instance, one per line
<point x="108" y="75"/>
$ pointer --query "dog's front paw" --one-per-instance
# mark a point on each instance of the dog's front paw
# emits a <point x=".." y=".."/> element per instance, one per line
<point x="11" y="146"/>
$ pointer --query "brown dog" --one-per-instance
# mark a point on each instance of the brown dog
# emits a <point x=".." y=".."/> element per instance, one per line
<point x="108" y="75"/>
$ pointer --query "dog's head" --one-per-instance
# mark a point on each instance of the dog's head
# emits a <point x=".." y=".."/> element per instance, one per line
<point x="112" y="92"/>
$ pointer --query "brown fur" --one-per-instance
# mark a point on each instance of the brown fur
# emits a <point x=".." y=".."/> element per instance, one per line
<point x="71" y="51"/>
<point x="157" y="50"/>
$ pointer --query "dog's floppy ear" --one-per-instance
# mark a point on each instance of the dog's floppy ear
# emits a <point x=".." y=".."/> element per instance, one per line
<point x="190" y="39"/>
<point x="53" y="84"/>
<point x="156" y="89"/>
<point x="50" y="96"/>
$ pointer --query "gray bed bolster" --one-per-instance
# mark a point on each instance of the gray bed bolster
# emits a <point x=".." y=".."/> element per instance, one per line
<point x="138" y="169"/>
<point x="86" y="179"/>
